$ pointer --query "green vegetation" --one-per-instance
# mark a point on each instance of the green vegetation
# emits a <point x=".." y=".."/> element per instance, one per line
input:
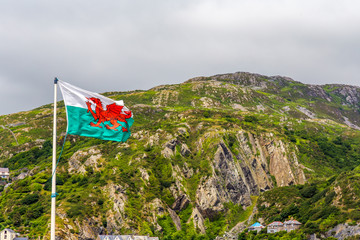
<point x="319" y="206"/>
<point x="128" y="187"/>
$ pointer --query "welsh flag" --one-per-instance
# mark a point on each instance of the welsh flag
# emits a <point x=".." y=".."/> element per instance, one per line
<point x="93" y="115"/>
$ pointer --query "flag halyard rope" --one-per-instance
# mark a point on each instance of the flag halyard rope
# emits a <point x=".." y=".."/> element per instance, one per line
<point x="62" y="149"/>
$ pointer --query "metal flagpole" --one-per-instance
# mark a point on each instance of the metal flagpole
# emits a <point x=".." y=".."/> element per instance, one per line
<point x="53" y="186"/>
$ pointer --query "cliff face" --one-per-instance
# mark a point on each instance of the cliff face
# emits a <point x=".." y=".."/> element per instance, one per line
<point x="200" y="154"/>
<point x="237" y="177"/>
<point x="254" y="163"/>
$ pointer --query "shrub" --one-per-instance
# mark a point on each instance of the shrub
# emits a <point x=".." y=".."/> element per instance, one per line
<point x="308" y="192"/>
<point x="355" y="215"/>
<point x="311" y="227"/>
<point x="35" y="212"/>
<point x="206" y="114"/>
<point x="330" y="197"/>
<point x="74" y="211"/>
<point x="288" y="211"/>
<point x="30" y="199"/>
<point x="100" y="202"/>
<point x="251" y="118"/>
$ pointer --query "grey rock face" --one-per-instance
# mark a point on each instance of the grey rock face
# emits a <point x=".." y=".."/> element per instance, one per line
<point x="198" y="220"/>
<point x="175" y="218"/>
<point x="92" y="155"/>
<point x="169" y="149"/>
<point x="234" y="185"/>
<point x="343" y="231"/>
<point x="171" y="144"/>
<point x="185" y="151"/>
<point x="249" y="179"/>
<point x="180" y="203"/>
<point x="350" y="93"/>
<point x="208" y="198"/>
<point x="318" y="91"/>
<point x="238" y="177"/>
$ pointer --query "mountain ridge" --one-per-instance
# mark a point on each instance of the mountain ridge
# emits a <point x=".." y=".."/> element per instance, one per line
<point x="201" y="155"/>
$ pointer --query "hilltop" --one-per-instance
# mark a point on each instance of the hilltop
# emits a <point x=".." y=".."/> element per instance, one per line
<point x="205" y="156"/>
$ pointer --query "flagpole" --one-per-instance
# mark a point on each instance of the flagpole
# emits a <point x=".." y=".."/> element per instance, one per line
<point x="53" y="182"/>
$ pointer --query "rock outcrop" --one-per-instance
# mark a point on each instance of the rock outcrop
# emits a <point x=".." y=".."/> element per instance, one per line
<point x="198" y="220"/>
<point x="83" y="158"/>
<point x="248" y="173"/>
<point x="180" y="203"/>
<point x="343" y="231"/>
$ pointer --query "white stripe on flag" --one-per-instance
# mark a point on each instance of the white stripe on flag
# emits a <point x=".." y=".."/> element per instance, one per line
<point x="74" y="96"/>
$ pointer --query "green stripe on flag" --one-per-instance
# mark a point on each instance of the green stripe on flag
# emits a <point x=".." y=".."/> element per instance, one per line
<point x="79" y="124"/>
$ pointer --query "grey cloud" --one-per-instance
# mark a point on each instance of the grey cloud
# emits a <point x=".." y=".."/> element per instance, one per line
<point x="125" y="45"/>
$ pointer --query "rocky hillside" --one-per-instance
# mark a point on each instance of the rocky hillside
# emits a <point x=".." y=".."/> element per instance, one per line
<point x="336" y="102"/>
<point x="200" y="155"/>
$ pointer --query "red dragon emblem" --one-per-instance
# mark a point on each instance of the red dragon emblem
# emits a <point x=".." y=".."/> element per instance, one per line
<point x="113" y="113"/>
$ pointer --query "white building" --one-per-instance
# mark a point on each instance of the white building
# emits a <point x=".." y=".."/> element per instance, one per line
<point x="4" y="173"/>
<point x="8" y="234"/>
<point x="292" y="225"/>
<point x="275" y="227"/>
<point x="125" y="237"/>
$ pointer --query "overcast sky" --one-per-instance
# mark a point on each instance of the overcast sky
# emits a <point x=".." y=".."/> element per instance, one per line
<point x="120" y="45"/>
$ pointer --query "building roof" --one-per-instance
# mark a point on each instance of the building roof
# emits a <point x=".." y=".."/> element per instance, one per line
<point x="4" y="170"/>
<point x="126" y="237"/>
<point x="257" y="224"/>
<point x="12" y="231"/>
<point x="292" y="222"/>
<point x="276" y="223"/>
<point x="115" y="237"/>
<point x="141" y="238"/>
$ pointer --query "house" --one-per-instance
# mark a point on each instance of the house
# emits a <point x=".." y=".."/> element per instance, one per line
<point x="291" y="225"/>
<point x="275" y="227"/>
<point x="8" y="234"/>
<point x="145" y="238"/>
<point x="125" y="237"/>
<point x="114" y="237"/>
<point x="256" y="227"/>
<point x="4" y="173"/>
